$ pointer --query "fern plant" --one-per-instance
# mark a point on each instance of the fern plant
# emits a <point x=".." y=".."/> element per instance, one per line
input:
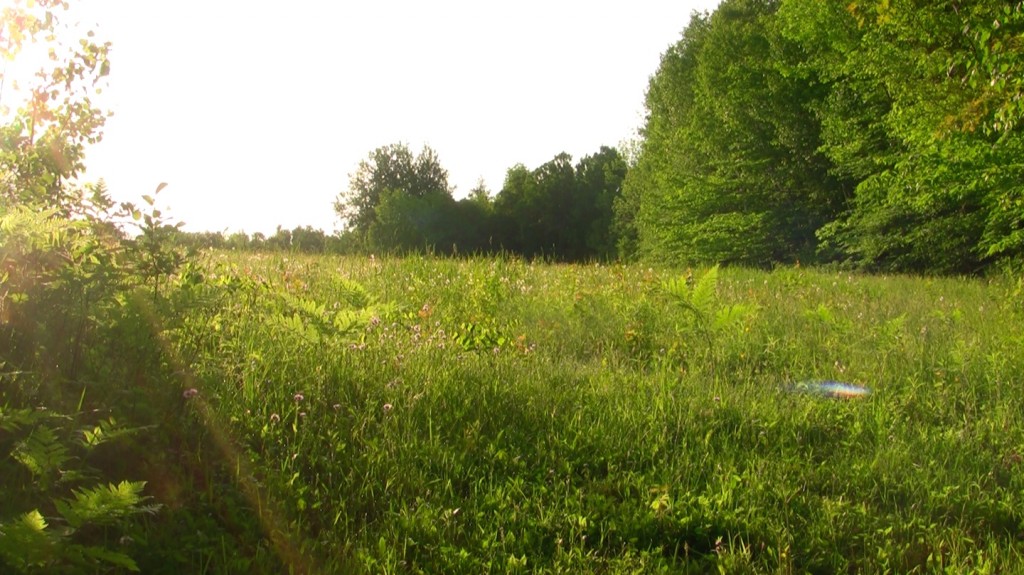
<point x="709" y="319"/>
<point x="29" y="543"/>
<point x="44" y="456"/>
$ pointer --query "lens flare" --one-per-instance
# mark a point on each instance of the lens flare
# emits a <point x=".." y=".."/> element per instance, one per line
<point x="829" y="388"/>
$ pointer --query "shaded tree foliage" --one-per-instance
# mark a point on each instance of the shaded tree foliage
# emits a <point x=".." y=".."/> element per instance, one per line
<point x="406" y="222"/>
<point x="398" y="203"/>
<point x="560" y="210"/>
<point x="598" y="183"/>
<point x="533" y="205"/>
<point x="389" y="168"/>
<point x="470" y="222"/>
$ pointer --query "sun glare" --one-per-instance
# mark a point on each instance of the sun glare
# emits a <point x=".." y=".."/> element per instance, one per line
<point x="27" y="58"/>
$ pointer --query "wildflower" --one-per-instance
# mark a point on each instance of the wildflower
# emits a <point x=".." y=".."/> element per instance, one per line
<point x="190" y="393"/>
<point x="387" y="407"/>
<point x="298" y="397"/>
<point x="274" y="418"/>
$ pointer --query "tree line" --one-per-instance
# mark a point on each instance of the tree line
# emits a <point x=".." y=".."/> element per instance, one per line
<point x="401" y="202"/>
<point x="883" y="135"/>
<point x="879" y="135"/>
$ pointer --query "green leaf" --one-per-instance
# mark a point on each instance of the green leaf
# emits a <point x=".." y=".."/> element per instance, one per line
<point x="104" y="432"/>
<point x="103" y="504"/>
<point x="42" y="453"/>
<point x="678" y="288"/>
<point x="34" y="521"/>
<point x="353" y="294"/>
<point x="706" y="291"/>
<point x="26" y="544"/>
<point x="12" y="420"/>
<point x="731" y="315"/>
<point x="113" y="557"/>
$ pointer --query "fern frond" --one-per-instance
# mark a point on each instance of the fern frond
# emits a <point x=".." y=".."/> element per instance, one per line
<point x="103" y="504"/>
<point x="42" y="453"/>
<point x="354" y="294"/>
<point x="12" y="420"/>
<point x="678" y="288"/>
<point x="706" y="291"/>
<point x="112" y="557"/>
<point x="25" y="542"/>
<point x="732" y="315"/>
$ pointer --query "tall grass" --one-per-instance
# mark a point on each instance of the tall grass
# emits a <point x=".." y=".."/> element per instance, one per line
<point x="496" y="415"/>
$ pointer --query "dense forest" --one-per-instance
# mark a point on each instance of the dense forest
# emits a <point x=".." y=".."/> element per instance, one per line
<point x="879" y="135"/>
<point x="885" y="135"/>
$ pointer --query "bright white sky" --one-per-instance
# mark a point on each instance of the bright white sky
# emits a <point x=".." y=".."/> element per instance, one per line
<point x="255" y="112"/>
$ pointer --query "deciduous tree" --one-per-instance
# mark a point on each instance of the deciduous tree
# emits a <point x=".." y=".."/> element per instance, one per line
<point x="391" y="168"/>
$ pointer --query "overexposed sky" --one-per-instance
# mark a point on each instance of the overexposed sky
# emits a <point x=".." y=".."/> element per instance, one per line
<point x="255" y="112"/>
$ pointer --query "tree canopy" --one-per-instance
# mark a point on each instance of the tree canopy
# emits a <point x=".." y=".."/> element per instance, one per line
<point x="391" y="169"/>
<point x="881" y="134"/>
<point x="398" y="203"/>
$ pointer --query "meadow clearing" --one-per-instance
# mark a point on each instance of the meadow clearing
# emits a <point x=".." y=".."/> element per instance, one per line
<point x="190" y="402"/>
<point x="430" y="415"/>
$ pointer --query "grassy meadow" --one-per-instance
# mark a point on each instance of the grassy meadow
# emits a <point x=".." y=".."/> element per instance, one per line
<point x="422" y="415"/>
